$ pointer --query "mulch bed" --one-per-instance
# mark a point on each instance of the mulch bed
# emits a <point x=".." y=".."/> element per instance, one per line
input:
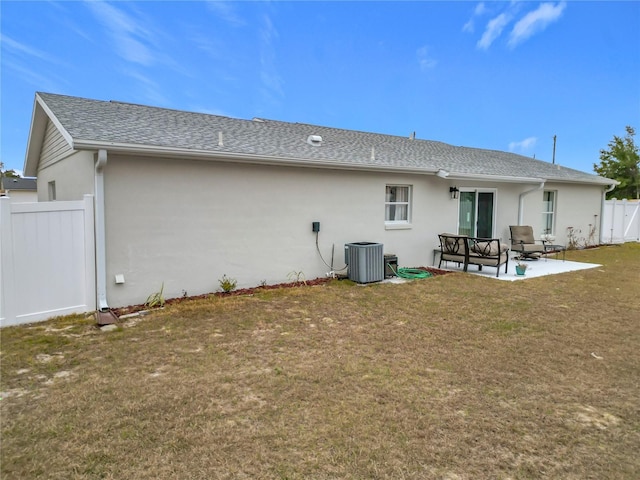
<point x="250" y="291"/>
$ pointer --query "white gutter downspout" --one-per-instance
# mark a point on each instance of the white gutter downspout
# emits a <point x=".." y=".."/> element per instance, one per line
<point x="521" y="201"/>
<point x="101" y="264"/>
<point x="602" y="207"/>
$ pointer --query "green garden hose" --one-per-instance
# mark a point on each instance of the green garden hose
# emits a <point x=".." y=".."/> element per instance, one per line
<point x="410" y="273"/>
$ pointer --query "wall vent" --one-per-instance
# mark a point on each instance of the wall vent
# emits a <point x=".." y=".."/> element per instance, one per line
<point x="365" y="261"/>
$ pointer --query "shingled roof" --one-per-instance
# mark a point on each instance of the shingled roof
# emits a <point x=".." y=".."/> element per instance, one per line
<point x="19" y="183"/>
<point x="118" y="126"/>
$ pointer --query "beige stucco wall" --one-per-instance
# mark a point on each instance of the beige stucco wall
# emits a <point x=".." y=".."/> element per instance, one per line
<point x="74" y="177"/>
<point x="22" y="196"/>
<point x="188" y="223"/>
<point x="577" y="206"/>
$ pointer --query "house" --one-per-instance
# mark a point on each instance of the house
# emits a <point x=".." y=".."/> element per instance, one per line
<point x="183" y="198"/>
<point x="19" y="189"/>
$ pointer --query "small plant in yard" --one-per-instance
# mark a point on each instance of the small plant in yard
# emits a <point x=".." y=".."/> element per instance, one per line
<point x="155" y="299"/>
<point x="575" y="242"/>
<point x="572" y="239"/>
<point x="592" y="235"/>
<point x="227" y="284"/>
<point x="547" y="237"/>
<point x="297" y="277"/>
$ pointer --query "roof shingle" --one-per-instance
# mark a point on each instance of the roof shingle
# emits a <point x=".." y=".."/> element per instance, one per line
<point x="121" y="123"/>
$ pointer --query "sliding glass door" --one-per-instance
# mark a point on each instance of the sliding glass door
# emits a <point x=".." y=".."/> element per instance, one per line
<point x="476" y="213"/>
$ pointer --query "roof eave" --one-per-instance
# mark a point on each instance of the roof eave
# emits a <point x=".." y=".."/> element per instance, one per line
<point x="204" y="155"/>
<point x="602" y="181"/>
<point x="163" y="151"/>
<point x="493" y="178"/>
<point x="508" y="179"/>
<point x="41" y="113"/>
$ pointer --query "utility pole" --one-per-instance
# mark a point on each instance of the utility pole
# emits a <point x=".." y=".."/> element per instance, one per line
<point x="554" y="150"/>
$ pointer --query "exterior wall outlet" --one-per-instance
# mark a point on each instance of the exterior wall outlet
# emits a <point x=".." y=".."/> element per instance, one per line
<point x="315" y="226"/>
<point x="119" y="278"/>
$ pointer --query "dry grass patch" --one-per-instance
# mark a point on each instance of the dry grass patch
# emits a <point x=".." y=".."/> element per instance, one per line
<point x="451" y="377"/>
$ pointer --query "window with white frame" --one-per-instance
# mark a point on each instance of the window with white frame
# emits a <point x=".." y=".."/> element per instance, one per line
<point x="397" y="204"/>
<point x="548" y="212"/>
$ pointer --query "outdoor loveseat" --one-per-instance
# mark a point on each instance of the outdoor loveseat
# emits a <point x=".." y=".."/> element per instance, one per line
<point x="467" y="251"/>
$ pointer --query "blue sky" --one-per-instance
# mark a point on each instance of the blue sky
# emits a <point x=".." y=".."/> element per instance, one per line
<point x="498" y="75"/>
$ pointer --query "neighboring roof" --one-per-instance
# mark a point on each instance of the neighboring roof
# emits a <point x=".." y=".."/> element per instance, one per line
<point x="126" y="127"/>
<point x="25" y="184"/>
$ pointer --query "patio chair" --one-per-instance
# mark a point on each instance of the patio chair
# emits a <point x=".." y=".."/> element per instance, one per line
<point x="522" y="241"/>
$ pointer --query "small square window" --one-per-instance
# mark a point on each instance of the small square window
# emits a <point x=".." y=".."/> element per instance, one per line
<point x="52" y="191"/>
<point x="397" y="204"/>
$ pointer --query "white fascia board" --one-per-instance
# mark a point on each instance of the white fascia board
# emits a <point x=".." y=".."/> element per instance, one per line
<point x="160" y="151"/>
<point x="493" y="178"/>
<point x="505" y="179"/>
<point x="602" y="181"/>
<point x="35" y="139"/>
<point x="55" y="121"/>
<point x="39" y="116"/>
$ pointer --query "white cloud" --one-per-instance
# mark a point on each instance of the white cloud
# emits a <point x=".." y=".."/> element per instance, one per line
<point x="271" y="80"/>
<point x="493" y="30"/>
<point x="225" y="11"/>
<point x="25" y="61"/>
<point x="150" y="89"/>
<point x="523" y="146"/>
<point x="480" y="9"/>
<point x="37" y="77"/>
<point x="210" y="46"/>
<point x="130" y="37"/>
<point x="425" y="60"/>
<point x="470" y="25"/>
<point x="535" y="21"/>
<point x="18" y="47"/>
<point x="208" y="110"/>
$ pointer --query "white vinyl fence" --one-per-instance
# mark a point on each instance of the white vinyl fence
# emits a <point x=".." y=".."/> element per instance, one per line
<point x="621" y="221"/>
<point x="47" y="260"/>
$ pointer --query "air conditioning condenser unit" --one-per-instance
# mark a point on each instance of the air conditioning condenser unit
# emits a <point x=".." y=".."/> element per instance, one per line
<point x="365" y="261"/>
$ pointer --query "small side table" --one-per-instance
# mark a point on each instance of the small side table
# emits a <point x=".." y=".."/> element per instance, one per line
<point x="436" y="252"/>
<point x="555" y="249"/>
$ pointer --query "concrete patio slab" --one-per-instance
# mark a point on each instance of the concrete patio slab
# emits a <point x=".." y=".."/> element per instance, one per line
<point x="536" y="268"/>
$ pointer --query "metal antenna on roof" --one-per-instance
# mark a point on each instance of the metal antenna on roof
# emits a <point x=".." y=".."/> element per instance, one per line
<point x="412" y="136"/>
<point x="554" y="150"/>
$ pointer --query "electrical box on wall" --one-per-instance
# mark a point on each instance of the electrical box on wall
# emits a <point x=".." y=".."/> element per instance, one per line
<point x="315" y="226"/>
